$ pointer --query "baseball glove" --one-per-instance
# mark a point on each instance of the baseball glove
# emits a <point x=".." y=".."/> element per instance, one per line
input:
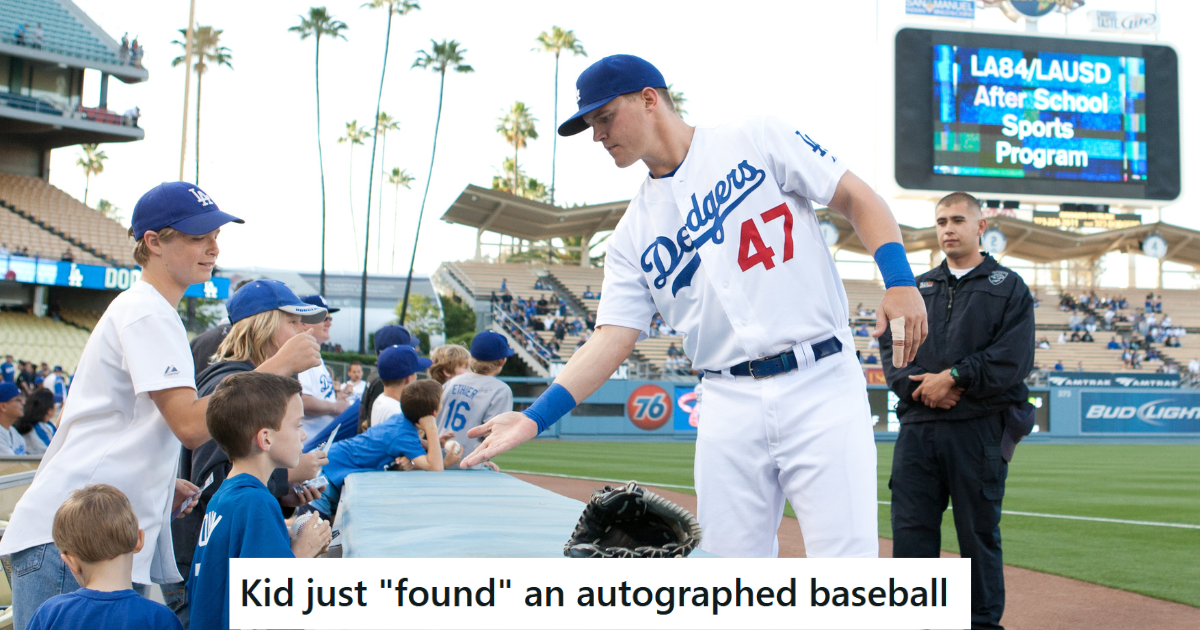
<point x="632" y="522"/>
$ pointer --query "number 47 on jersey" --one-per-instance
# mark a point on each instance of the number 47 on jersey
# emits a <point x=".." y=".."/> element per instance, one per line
<point x="752" y="250"/>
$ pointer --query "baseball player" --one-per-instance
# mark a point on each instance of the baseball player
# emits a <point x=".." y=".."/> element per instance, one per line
<point x="722" y="241"/>
<point x="477" y="395"/>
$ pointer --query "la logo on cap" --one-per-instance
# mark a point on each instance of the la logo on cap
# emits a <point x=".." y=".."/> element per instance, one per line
<point x="201" y="196"/>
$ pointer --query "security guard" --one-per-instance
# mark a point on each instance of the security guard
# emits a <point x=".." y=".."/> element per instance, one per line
<point x="968" y="375"/>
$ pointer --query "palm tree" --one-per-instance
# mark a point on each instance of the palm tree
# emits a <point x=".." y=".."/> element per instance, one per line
<point x="445" y="56"/>
<point x="400" y="7"/>
<point x="383" y="124"/>
<point x="677" y="99"/>
<point x="556" y="41"/>
<point x="319" y="23"/>
<point x="355" y="134"/>
<point x="527" y="187"/>
<point x="207" y="48"/>
<point x="92" y="163"/>
<point x="517" y="127"/>
<point x="398" y="177"/>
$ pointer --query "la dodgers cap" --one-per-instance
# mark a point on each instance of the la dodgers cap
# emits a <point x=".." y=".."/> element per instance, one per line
<point x="8" y="391"/>
<point x="394" y="335"/>
<point x="490" y="346"/>
<point x="607" y="79"/>
<point x="178" y="205"/>
<point x="319" y="300"/>
<point x="261" y="296"/>
<point x="400" y="361"/>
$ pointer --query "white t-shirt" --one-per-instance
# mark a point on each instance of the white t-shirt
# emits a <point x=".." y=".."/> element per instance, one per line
<point x="959" y="273"/>
<point x="729" y="250"/>
<point x="384" y="407"/>
<point x="357" y="389"/>
<point x="318" y="384"/>
<point x="112" y="432"/>
<point x="12" y="442"/>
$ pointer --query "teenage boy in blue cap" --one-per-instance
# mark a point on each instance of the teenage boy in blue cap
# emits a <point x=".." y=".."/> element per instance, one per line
<point x="385" y="338"/>
<point x="321" y="404"/>
<point x="474" y="397"/>
<point x="133" y="402"/>
<point x="722" y="240"/>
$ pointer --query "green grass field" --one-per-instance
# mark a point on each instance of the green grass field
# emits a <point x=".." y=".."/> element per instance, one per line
<point x="1135" y="482"/>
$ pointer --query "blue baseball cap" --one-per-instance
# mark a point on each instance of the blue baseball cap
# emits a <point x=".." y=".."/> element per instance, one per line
<point x="490" y="346"/>
<point x="607" y="79"/>
<point x="394" y="335"/>
<point x="178" y="205"/>
<point x="400" y="361"/>
<point x="8" y="391"/>
<point x="319" y="300"/>
<point x="261" y="296"/>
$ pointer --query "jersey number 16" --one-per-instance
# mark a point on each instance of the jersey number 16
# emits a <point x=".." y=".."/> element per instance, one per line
<point x="455" y="420"/>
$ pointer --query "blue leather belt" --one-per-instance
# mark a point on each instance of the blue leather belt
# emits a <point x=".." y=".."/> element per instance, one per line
<point x="782" y="363"/>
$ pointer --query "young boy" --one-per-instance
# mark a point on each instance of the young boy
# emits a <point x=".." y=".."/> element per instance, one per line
<point x="398" y="436"/>
<point x="97" y="533"/>
<point x="256" y="419"/>
<point x="397" y="366"/>
<point x="472" y="398"/>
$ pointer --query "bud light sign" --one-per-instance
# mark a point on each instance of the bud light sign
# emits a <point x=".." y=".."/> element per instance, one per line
<point x="1152" y="412"/>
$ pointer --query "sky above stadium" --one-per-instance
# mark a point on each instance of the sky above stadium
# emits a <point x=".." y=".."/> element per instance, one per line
<point x="822" y="65"/>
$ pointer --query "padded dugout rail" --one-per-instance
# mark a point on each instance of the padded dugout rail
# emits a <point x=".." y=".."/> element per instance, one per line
<point x="454" y="514"/>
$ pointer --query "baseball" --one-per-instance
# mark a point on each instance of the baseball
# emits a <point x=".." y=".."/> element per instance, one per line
<point x="453" y="448"/>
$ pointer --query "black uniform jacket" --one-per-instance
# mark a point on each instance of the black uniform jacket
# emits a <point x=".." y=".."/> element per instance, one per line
<point x="982" y="324"/>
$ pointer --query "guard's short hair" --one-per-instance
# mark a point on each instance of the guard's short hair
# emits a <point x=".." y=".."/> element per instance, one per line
<point x="96" y="523"/>
<point x="244" y="404"/>
<point x="960" y="197"/>
<point x="420" y="399"/>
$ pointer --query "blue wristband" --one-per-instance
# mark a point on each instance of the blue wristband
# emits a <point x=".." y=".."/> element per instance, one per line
<point x="893" y="264"/>
<point x="554" y="403"/>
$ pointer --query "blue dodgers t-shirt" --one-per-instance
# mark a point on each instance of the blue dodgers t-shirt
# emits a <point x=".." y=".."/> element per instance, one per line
<point x="374" y="449"/>
<point x="7" y="372"/>
<point x="116" y="610"/>
<point x="243" y="521"/>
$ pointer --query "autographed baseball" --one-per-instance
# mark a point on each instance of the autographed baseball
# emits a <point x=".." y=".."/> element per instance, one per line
<point x="453" y="448"/>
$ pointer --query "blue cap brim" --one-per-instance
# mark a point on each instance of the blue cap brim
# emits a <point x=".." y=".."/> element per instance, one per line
<point x="204" y="223"/>
<point x="575" y="124"/>
<point x="423" y="363"/>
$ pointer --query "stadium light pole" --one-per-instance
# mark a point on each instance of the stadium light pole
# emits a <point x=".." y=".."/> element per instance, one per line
<point x="187" y="83"/>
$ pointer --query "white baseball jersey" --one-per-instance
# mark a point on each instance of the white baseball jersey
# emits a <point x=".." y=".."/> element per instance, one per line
<point x="317" y="383"/>
<point x="728" y="249"/>
<point x="469" y="400"/>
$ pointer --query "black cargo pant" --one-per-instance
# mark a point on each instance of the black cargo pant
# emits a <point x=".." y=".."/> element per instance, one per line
<point x="957" y="460"/>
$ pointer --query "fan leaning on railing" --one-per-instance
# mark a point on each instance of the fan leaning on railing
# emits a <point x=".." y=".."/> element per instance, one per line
<point x="540" y="351"/>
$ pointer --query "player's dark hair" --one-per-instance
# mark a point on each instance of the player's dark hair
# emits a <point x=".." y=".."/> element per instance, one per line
<point x="960" y="197"/>
<point x="420" y="399"/>
<point x="244" y="404"/>
<point x="37" y="406"/>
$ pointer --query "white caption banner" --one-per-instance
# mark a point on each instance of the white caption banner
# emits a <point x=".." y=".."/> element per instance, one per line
<point x="549" y="593"/>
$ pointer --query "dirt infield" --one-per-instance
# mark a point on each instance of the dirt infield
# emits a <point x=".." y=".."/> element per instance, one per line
<point x="1036" y="601"/>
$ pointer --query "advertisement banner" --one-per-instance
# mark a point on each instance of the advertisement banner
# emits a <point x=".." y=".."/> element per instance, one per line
<point x="1107" y="379"/>
<point x="1123" y="22"/>
<point x="687" y="407"/>
<point x="1141" y="412"/>
<point x="68" y="274"/>
<point x="963" y="9"/>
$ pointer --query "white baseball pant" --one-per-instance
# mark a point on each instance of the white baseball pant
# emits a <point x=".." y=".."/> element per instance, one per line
<point x="805" y="436"/>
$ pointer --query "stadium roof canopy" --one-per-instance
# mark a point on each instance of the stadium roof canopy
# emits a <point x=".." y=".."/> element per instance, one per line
<point x="489" y="210"/>
<point x="1041" y="244"/>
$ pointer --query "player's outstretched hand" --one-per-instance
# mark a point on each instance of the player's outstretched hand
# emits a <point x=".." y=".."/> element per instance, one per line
<point x="904" y="302"/>
<point x="504" y="433"/>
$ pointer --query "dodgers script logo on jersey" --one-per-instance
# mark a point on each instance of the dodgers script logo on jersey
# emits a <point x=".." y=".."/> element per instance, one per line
<point x="717" y="205"/>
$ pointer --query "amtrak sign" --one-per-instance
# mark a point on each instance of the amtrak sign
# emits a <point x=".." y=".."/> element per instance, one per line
<point x="1105" y="379"/>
